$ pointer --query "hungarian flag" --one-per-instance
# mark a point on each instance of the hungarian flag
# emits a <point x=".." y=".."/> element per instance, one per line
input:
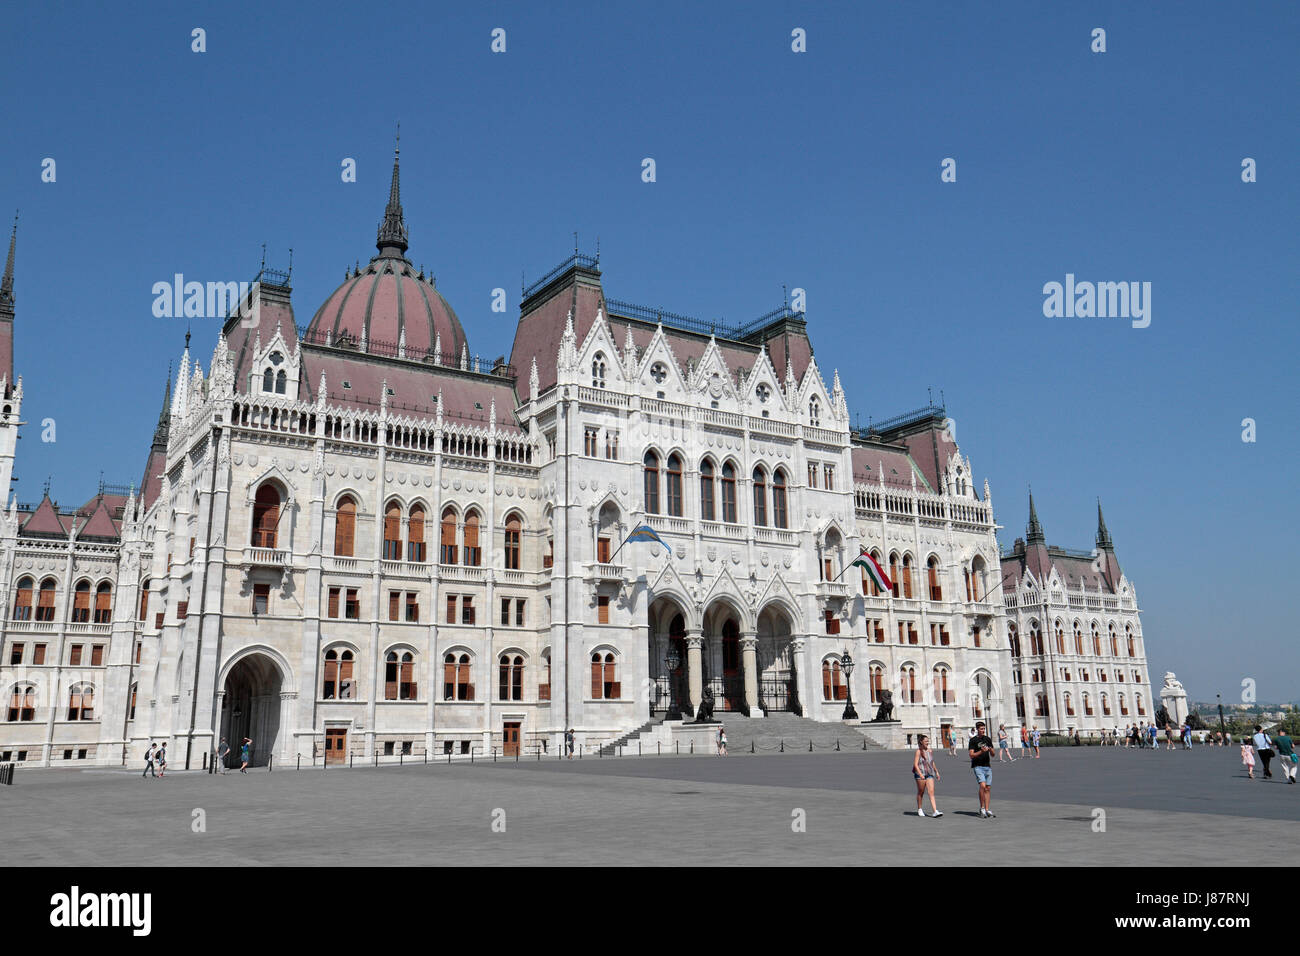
<point x="874" y="571"/>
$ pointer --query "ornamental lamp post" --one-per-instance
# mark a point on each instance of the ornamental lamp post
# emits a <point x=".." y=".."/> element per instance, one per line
<point x="673" y="660"/>
<point x="846" y="664"/>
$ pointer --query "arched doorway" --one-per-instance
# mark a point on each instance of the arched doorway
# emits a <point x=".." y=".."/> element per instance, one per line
<point x="723" y="668"/>
<point x="667" y="633"/>
<point x="777" y="680"/>
<point x="251" y="708"/>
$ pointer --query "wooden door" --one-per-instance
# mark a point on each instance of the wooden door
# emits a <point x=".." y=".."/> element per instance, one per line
<point x="336" y="745"/>
<point x="511" y="739"/>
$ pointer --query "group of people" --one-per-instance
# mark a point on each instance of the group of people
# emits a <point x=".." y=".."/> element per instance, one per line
<point x="1266" y="748"/>
<point x="156" y="757"/>
<point x="979" y="748"/>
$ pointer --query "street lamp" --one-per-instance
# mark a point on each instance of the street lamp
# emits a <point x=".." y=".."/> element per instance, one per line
<point x="846" y="664"/>
<point x="673" y="660"/>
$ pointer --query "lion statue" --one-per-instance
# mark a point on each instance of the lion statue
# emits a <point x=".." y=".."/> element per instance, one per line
<point x="886" y="711"/>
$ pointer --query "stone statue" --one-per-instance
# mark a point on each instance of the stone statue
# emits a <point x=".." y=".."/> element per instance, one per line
<point x="886" y="711"/>
<point x="1173" y="699"/>
<point x="705" y="714"/>
<point x="1162" y="717"/>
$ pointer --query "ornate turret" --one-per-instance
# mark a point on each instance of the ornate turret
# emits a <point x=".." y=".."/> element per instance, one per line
<point x="1104" y="542"/>
<point x="7" y="283"/>
<point x="392" y="231"/>
<point x="1034" y="533"/>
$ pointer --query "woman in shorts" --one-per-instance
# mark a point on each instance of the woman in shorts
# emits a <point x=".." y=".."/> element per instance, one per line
<point x="926" y="775"/>
<point x="1003" y="748"/>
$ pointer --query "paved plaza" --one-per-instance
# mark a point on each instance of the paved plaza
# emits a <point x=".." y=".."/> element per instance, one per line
<point x="1162" y="808"/>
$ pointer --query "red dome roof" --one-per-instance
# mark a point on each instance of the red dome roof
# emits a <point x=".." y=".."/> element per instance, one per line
<point x="382" y="301"/>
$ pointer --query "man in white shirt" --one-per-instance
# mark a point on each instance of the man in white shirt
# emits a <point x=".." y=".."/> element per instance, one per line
<point x="1264" y="749"/>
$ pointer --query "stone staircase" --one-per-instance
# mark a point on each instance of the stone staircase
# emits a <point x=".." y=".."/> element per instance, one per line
<point x="774" y="733"/>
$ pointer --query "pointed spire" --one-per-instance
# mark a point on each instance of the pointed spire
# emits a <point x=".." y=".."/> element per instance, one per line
<point x="534" y="382"/>
<point x="1034" y="534"/>
<point x="392" y="231"/>
<point x="164" y="416"/>
<point x="1103" y="536"/>
<point x="7" y="283"/>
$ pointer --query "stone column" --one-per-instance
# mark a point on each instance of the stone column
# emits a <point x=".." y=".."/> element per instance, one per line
<point x="749" y="661"/>
<point x="694" y="677"/>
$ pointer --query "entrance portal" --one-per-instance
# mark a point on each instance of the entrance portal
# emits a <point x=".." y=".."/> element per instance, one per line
<point x="251" y="708"/>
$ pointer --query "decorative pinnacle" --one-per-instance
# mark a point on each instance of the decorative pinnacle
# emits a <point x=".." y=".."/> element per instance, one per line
<point x="1035" y="530"/>
<point x="7" y="283"/>
<point x="1104" y="542"/>
<point x="392" y="231"/>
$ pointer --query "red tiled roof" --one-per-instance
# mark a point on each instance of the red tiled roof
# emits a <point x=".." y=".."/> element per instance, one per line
<point x="867" y="461"/>
<point x="101" y="523"/>
<point x="45" y="520"/>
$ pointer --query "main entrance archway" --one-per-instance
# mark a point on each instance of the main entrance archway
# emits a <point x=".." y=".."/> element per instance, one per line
<point x="777" y="680"/>
<point x="251" y="708"/>
<point x="667" y="633"/>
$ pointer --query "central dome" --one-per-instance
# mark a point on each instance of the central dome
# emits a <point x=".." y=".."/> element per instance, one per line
<point x="388" y="303"/>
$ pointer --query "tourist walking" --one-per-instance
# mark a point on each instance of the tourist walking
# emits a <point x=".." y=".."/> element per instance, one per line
<point x="926" y="775"/>
<point x="223" y="755"/>
<point x="1169" y="736"/>
<point x="148" y="762"/>
<point x="245" y="750"/>
<point x="1264" y="747"/>
<point x="952" y="741"/>
<point x="568" y="742"/>
<point x="162" y="760"/>
<point x="722" y="740"/>
<point x="1036" y="738"/>
<point x="1248" y="759"/>
<point x="1024" y="739"/>
<point x="1004" y="752"/>
<point x="980" y="749"/>
<point x="1155" y="742"/>
<point x="1286" y="755"/>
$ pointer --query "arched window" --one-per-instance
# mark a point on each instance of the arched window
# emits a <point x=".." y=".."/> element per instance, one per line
<point x="1069" y="704"/>
<point x="514" y="536"/>
<point x="932" y="574"/>
<point x="598" y="370"/>
<point x="833" y="686"/>
<point x="604" y="677"/>
<point x="1096" y="642"/>
<point x="674" y="485"/>
<point x="830" y="549"/>
<point x="81" y="702"/>
<point x="1105" y="705"/>
<point x="729" y="493"/>
<point x="907" y="575"/>
<point x="473" y="552"/>
<point x="1060" y="638"/>
<point x="266" y="516"/>
<point x="869" y="586"/>
<point x="268" y="380"/>
<point x="1114" y="642"/>
<point x="1128" y="633"/>
<point x="1035" y="639"/>
<point x="81" y="603"/>
<point x="104" y="603"/>
<point x="943" y="694"/>
<point x="907" y="684"/>
<point x="281" y="382"/>
<point x="448" y="555"/>
<point x="1087" y="704"/>
<point x="455" y="678"/>
<point x="1137" y="699"/>
<point x="1013" y="638"/>
<point x="760" y="497"/>
<point x="510" y="677"/>
<point x="651" y="483"/>
<point x="144" y="599"/>
<point x="1123" y="706"/>
<point x="814" y="412"/>
<point x="345" y="528"/>
<point x="45" y="607"/>
<point x="779" y="519"/>
<point x="1040" y="705"/>
<point x="399" y="676"/>
<point x="415" y="535"/>
<point x="966" y="577"/>
<point x="393" y="532"/>
<point x="706" y="490"/>
<point x="1078" y="639"/>
<point x="977" y="580"/>
<point x="895" y="578"/>
<point x="130" y="714"/>
<point x="23" y="600"/>
<point x="877" y="674"/>
<point x="22" y="703"/>
<point x="338" y="681"/>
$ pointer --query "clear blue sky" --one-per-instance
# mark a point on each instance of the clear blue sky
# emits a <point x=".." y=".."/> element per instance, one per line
<point x="817" y="170"/>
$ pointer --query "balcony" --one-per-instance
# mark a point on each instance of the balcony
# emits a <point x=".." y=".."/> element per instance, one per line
<point x="598" y="571"/>
<point x="266" y="558"/>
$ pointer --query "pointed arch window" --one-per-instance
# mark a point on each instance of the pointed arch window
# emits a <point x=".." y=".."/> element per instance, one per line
<point x="760" y="497"/>
<point x="1096" y="642"/>
<point x="337" y="683"/>
<point x="673" y="482"/>
<point x="144" y="599"/>
<point x="598" y="370"/>
<point x="399" y="676"/>
<point x="895" y="578"/>
<point x="1060" y="638"/>
<point x="393" y="532"/>
<point x="932" y="574"/>
<point x="345" y="528"/>
<point x="651" y="483"/>
<point x="81" y="603"/>
<point x="877" y="674"/>
<point x="729" y="493"/>
<point x="1078" y="639"/>
<point x="780" y="517"/>
<point x="415" y="535"/>
<point x="907" y="682"/>
<point x="266" y="516"/>
<point x="706" y="491"/>
<point x="448" y="549"/>
<point x="943" y="693"/>
<point x="455" y="678"/>
<point x="510" y="677"/>
<point x="23" y="600"/>
<point x="104" y="603"/>
<point x="268" y="380"/>
<point x="473" y="551"/>
<point x="1128" y="633"/>
<point x="45" y="605"/>
<point x="907" y="575"/>
<point x="814" y="412"/>
<point x="514" y="536"/>
<point x="281" y="382"/>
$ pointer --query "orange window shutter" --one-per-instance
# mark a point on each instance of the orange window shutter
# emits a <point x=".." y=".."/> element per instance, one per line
<point x="333" y="610"/>
<point x="826" y="681"/>
<point x="597" y="681"/>
<point x="394" y="603"/>
<point x="345" y="670"/>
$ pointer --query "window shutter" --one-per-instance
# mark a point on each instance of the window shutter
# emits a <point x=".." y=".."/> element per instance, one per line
<point x="333" y="603"/>
<point x="597" y="682"/>
<point x="345" y="528"/>
<point x="394" y="604"/>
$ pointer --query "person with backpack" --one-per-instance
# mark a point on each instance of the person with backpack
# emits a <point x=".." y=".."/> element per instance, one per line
<point x="148" y="762"/>
<point x="1286" y="755"/>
